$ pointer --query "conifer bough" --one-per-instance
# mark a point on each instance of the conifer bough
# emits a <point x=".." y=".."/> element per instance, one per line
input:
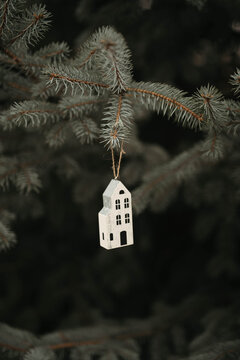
<point x="53" y="104"/>
<point x="53" y="99"/>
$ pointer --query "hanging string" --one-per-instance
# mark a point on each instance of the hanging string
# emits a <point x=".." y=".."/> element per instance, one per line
<point x="116" y="172"/>
<point x="120" y="159"/>
<point x="113" y="164"/>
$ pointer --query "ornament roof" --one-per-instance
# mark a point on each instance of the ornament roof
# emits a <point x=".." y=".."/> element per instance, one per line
<point x="113" y="186"/>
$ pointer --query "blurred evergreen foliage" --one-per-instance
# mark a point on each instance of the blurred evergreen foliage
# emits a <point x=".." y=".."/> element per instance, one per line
<point x="175" y="293"/>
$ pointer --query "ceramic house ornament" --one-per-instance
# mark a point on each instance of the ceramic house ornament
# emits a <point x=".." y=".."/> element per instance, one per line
<point x="115" y="218"/>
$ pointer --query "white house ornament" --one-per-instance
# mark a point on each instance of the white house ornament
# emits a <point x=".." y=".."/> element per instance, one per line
<point x="115" y="218"/>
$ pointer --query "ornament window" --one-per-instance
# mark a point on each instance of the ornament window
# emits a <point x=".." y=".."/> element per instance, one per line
<point x="127" y="218"/>
<point x="126" y="203"/>
<point x="117" y="203"/>
<point x="118" y="220"/>
<point x="121" y="192"/>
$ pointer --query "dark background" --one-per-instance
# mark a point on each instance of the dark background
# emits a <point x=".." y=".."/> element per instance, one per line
<point x="57" y="276"/>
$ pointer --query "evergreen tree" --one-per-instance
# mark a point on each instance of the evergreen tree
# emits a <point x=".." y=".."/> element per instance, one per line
<point x="73" y="117"/>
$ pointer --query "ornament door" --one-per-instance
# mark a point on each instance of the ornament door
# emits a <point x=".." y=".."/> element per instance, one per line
<point x="123" y="237"/>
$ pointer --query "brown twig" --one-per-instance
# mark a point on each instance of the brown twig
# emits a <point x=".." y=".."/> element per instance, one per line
<point x="18" y="61"/>
<point x="58" y="76"/>
<point x="207" y="98"/>
<point x="36" y="18"/>
<point x="116" y="68"/>
<point x="113" y="163"/>
<point x="12" y="347"/>
<point x="53" y="111"/>
<point x="32" y="112"/>
<point x="13" y="56"/>
<point x="119" y="109"/>
<point x="71" y="344"/>
<point x="15" y="60"/>
<point x="52" y="54"/>
<point x="4" y="16"/>
<point x="18" y="87"/>
<point x="87" y="58"/>
<point x="168" y="99"/>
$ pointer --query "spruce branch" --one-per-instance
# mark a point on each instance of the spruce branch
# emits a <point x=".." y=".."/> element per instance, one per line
<point x="233" y="108"/>
<point x="6" y="60"/>
<point x="117" y="121"/>
<point x="15" y="85"/>
<point x="75" y="92"/>
<point x="25" y="342"/>
<point x="11" y="58"/>
<point x="112" y="57"/>
<point x="32" y="64"/>
<point x="8" y="168"/>
<point x="18" y="87"/>
<point x="20" y="173"/>
<point x="15" y="339"/>
<point x="31" y="26"/>
<point x="66" y="76"/>
<point x="75" y="106"/>
<point x="233" y="128"/>
<point x="57" y="135"/>
<point x="43" y="91"/>
<point x="169" y="101"/>
<point x="85" y="61"/>
<point x="120" y="339"/>
<point x="31" y="113"/>
<point x="9" y="10"/>
<point x="211" y="103"/>
<point x="27" y="180"/>
<point x="159" y="181"/>
<point x="215" y="146"/>
<point x="85" y="130"/>
<point x="5" y="9"/>
<point x="235" y="81"/>
<point x="19" y="60"/>
<point x="7" y="237"/>
<point x="56" y="50"/>
<point x="40" y="353"/>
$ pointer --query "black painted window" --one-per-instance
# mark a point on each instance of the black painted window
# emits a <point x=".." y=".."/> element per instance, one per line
<point x="118" y="220"/>
<point x="117" y="203"/>
<point x="126" y="203"/>
<point x="127" y="218"/>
